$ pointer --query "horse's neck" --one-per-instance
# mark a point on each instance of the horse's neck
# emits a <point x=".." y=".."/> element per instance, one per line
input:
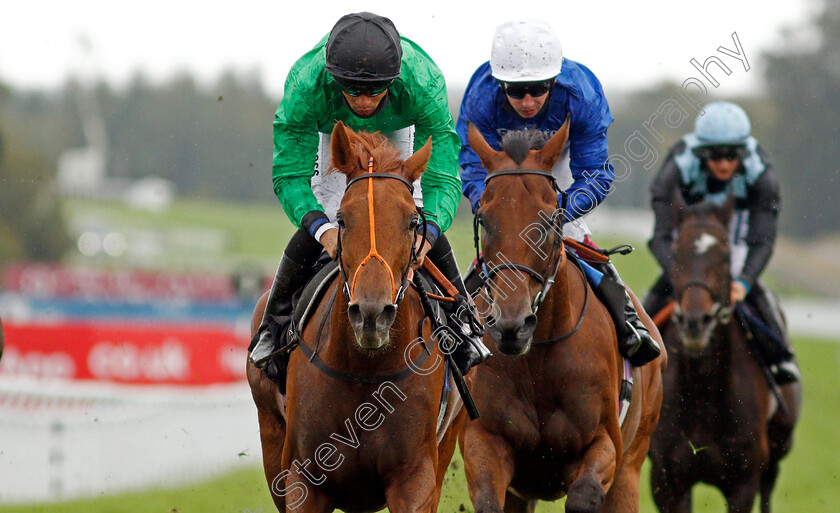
<point x="710" y="374"/>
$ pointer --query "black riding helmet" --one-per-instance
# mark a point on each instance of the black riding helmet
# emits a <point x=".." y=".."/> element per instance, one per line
<point x="364" y="47"/>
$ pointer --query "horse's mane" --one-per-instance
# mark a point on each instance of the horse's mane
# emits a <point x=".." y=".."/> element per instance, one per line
<point x="704" y="210"/>
<point x="387" y="157"/>
<point x="518" y="143"/>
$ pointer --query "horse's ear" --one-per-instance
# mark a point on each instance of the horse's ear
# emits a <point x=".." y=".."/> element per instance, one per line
<point x="343" y="157"/>
<point x="724" y="213"/>
<point x="479" y="145"/>
<point x="551" y="151"/>
<point x="679" y="205"/>
<point x="416" y="163"/>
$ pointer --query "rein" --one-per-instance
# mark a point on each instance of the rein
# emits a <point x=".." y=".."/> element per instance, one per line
<point x="349" y="287"/>
<point x="397" y="294"/>
<point x="721" y="311"/>
<point x="546" y="279"/>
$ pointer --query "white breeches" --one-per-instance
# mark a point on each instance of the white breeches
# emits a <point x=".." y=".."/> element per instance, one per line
<point x="329" y="186"/>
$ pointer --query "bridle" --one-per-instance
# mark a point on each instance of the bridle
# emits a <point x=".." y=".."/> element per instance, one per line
<point x="397" y="293"/>
<point x="545" y="279"/>
<point x="721" y="310"/>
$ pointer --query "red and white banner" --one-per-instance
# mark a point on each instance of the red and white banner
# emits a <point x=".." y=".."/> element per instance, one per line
<point x="42" y="280"/>
<point x="136" y="353"/>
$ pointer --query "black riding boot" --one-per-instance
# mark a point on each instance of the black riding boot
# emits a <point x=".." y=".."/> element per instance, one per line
<point x="634" y="340"/>
<point x="775" y="346"/>
<point x="289" y="278"/>
<point x="462" y="318"/>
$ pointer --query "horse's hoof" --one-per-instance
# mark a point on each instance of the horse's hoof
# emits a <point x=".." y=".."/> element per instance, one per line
<point x="585" y="496"/>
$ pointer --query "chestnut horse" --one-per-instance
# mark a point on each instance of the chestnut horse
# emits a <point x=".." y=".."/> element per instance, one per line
<point x="549" y="397"/>
<point x="357" y="429"/>
<point x="721" y="424"/>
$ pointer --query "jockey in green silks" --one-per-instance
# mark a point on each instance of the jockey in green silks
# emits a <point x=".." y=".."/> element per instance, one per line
<point x="366" y="75"/>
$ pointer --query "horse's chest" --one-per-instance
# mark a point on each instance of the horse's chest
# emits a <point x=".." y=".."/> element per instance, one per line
<point x="545" y="466"/>
<point x="347" y="447"/>
<point x="546" y="444"/>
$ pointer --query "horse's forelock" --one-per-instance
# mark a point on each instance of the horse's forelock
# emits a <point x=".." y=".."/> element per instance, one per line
<point x="518" y="143"/>
<point x="386" y="157"/>
<point x="704" y="211"/>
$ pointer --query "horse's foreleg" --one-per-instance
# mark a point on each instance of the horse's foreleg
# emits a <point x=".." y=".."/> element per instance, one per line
<point x="272" y="435"/>
<point x="446" y="448"/>
<point x="489" y="464"/>
<point x="413" y="491"/>
<point x="516" y="504"/>
<point x="671" y="492"/>
<point x="673" y="501"/>
<point x="768" y="482"/>
<point x="586" y="493"/>
<point x="272" y="429"/>
<point x="741" y="497"/>
<point x="623" y="496"/>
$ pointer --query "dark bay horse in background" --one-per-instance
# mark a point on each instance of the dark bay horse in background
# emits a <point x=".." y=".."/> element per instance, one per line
<point x="721" y="424"/>
<point x="549" y="397"/>
<point x="357" y="429"/>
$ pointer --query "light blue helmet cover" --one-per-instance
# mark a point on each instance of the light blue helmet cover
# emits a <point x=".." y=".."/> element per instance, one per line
<point x="723" y="123"/>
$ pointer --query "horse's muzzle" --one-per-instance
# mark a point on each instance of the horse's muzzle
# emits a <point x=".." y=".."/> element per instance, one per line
<point x="696" y="331"/>
<point x="371" y="323"/>
<point x="513" y="337"/>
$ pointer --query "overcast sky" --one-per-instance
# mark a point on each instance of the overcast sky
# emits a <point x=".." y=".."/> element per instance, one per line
<point x="626" y="44"/>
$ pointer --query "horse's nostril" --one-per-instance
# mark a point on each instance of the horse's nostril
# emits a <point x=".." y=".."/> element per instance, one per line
<point x="386" y="318"/>
<point x="528" y="325"/>
<point x="354" y="314"/>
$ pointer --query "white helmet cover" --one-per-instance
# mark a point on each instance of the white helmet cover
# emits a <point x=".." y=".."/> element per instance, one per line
<point x="525" y="51"/>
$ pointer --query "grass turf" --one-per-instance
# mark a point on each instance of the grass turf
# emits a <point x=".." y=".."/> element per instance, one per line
<point x="809" y="479"/>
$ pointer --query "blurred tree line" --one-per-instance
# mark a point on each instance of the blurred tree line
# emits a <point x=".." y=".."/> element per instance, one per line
<point x="215" y="141"/>
<point x="795" y="122"/>
<point x="804" y="84"/>
<point x="31" y="226"/>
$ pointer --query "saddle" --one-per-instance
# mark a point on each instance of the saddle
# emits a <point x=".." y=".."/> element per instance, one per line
<point x="304" y="303"/>
<point x="285" y="330"/>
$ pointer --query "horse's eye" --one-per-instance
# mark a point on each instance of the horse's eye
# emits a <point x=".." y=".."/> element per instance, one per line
<point x="340" y="220"/>
<point x="414" y="223"/>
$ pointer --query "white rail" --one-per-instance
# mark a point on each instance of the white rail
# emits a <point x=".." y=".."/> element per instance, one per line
<point x="62" y="440"/>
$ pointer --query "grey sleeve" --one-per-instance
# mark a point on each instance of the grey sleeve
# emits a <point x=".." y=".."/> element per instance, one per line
<point x="764" y="206"/>
<point x="667" y="183"/>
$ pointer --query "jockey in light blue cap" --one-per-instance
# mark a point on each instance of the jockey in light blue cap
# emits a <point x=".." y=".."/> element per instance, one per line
<point x="722" y="158"/>
<point x="723" y="123"/>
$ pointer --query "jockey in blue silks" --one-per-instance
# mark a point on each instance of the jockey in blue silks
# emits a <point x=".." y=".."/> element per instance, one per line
<point x="527" y="84"/>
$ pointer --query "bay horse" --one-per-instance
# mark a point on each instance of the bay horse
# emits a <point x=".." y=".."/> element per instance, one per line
<point x="549" y="397"/>
<point x="720" y="424"/>
<point x="357" y="429"/>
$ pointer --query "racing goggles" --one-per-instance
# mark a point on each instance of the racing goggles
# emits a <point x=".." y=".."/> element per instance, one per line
<point x="518" y="90"/>
<point x="369" y="89"/>
<point x="721" y="152"/>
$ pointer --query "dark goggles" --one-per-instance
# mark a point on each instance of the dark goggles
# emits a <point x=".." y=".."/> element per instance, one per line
<point x="518" y="90"/>
<point x="722" y="152"/>
<point x="370" y="89"/>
